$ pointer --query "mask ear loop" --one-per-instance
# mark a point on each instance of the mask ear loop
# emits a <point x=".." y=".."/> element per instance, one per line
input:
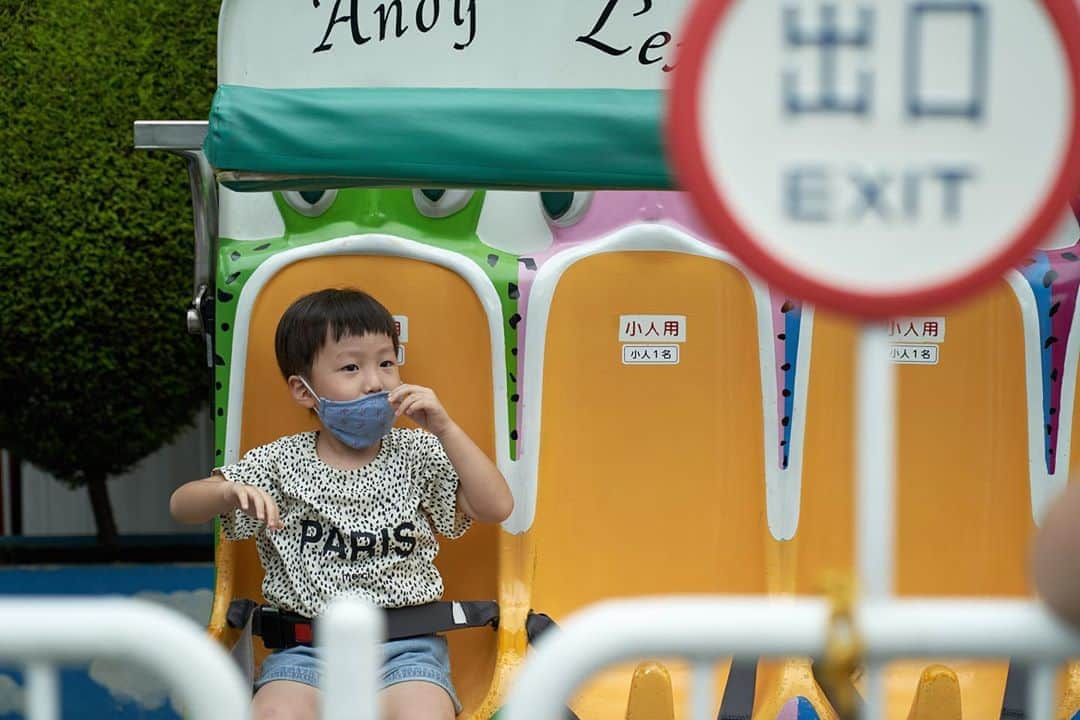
<point x="318" y="400"/>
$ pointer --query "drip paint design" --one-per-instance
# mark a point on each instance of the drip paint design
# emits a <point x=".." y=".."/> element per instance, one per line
<point x="787" y="320"/>
<point x="1054" y="277"/>
<point x="797" y="708"/>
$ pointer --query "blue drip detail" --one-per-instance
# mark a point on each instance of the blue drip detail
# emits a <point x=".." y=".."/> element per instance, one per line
<point x="792" y="324"/>
<point x="1034" y="274"/>
<point x="806" y="710"/>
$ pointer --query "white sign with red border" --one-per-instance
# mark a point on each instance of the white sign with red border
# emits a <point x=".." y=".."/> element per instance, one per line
<point x="879" y="156"/>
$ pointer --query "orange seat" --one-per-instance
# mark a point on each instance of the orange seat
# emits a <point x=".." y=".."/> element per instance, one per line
<point x="963" y="510"/>
<point x="449" y="348"/>
<point x="650" y="478"/>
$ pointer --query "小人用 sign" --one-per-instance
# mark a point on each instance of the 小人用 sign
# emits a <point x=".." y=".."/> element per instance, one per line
<point x="879" y="156"/>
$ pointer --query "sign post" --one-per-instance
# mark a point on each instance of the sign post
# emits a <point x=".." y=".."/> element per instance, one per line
<point x="879" y="158"/>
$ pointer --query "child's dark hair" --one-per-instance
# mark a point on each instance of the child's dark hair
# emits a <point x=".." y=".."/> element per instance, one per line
<point x="302" y="330"/>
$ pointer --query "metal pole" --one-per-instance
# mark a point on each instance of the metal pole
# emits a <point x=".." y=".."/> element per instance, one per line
<point x="701" y="691"/>
<point x="42" y="692"/>
<point x="1042" y="692"/>
<point x="875" y="462"/>
<point x="350" y="632"/>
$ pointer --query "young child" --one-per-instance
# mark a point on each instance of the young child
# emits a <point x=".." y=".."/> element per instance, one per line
<point x="352" y="508"/>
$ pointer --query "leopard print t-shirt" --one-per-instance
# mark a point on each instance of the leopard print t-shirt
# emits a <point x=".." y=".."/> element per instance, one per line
<point x="367" y="532"/>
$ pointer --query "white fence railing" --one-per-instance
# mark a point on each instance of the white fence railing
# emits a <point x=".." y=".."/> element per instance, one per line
<point x="350" y="633"/>
<point x="41" y="634"/>
<point x="704" y="630"/>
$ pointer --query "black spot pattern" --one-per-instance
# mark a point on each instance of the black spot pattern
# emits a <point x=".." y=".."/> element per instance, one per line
<point x="1049" y="278"/>
<point x="260" y="248"/>
<point x="787" y="307"/>
<point x="234" y="256"/>
<point x="512" y="291"/>
<point x="224" y="296"/>
<point x="225" y="327"/>
<point x="231" y="278"/>
<point x="1050" y="340"/>
<point x="1070" y="256"/>
<point x="218" y="360"/>
<point x="529" y="263"/>
<point x="493" y="259"/>
<point x="1054" y="308"/>
<point x="514" y="320"/>
<point x="409" y="484"/>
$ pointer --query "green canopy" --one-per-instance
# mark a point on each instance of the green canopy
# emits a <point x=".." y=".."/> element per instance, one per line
<point x="437" y="137"/>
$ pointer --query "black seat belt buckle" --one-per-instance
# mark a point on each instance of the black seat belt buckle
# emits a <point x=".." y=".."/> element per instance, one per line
<point x="268" y="625"/>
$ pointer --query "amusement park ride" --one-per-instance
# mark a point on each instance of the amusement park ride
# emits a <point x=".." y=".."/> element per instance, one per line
<point x="652" y="312"/>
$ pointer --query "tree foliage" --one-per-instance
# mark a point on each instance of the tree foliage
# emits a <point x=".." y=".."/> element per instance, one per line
<point x="96" y="369"/>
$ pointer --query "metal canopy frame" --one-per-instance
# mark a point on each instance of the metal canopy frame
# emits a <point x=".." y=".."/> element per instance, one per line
<point x="185" y="138"/>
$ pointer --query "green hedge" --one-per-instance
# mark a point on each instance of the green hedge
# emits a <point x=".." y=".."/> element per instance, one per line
<point x="96" y="368"/>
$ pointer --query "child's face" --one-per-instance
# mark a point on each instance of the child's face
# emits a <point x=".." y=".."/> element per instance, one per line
<point x="355" y="365"/>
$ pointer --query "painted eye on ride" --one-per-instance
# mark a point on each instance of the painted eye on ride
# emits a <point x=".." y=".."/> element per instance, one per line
<point x="437" y="203"/>
<point x="564" y="208"/>
<point x="311" y="203"/>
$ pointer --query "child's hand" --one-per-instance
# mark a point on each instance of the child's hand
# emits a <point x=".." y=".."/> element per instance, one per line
<point x="421" y="406"/>
<point x="253" y="502"/>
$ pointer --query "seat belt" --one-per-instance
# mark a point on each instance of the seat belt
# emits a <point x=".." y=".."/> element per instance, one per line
<point x="281" y="629"/>
<point x="738" y="700"/>
<point x="437" y="617"/>
<point x="1014" y="703"/>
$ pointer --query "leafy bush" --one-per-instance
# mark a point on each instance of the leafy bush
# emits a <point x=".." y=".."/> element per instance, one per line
<point x="96" y="368"/>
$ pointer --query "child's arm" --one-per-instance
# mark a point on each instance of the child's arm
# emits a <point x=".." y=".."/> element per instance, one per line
<point x="202" y="500"/>
<point x="483" y="493"/>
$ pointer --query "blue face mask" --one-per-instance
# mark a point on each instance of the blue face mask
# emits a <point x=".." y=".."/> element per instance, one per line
<point x="358" y="423"/>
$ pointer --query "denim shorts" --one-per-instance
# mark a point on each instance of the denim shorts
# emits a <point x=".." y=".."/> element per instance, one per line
<point x="423" y="658"/>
